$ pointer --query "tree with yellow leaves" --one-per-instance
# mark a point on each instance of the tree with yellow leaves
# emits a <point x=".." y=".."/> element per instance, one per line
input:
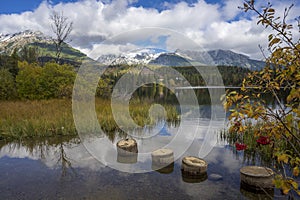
<point x="274" y="127"/>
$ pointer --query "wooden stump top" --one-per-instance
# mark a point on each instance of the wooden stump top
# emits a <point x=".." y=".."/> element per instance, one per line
<point x="257" y="171"/>
<point x="194" y="161"/>
<point x="126" y="143"/>
<point x="162" y="152"/>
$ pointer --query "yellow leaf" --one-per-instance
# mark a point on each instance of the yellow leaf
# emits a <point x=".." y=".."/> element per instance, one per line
<point x="295" y="185"/>
<point x="296" y="171"/>
<point x="283" y="157"/>
<point x="285" y="190"/>
<point x="241" y="129"/>
<point x="271" y="10"/>
<point x="274" y="41"/>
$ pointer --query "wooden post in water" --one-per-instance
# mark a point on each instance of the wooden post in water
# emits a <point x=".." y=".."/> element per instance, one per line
<point x="193" y="169"/>
<point x="127" y="151"/>
<point x="163" y="160"/>
<point x="256" y="178"/>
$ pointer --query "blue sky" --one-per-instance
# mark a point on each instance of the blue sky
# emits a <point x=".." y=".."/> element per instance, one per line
<point x="18" y="6"/>
<point x="213" y="24"/>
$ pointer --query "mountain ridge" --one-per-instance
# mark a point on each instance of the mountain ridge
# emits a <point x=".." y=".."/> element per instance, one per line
<point x="182" y="58"/>
<point x="9" y="43"/>
<point x="153" y="56"/>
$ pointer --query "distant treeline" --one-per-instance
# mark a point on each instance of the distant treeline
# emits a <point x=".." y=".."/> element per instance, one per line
<point x="22" y="76"/>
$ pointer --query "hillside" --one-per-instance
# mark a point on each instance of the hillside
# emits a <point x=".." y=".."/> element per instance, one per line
<point x="44" y="44"/>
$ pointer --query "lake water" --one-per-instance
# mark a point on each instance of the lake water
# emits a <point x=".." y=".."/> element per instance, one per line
<point x="62" y="168"/>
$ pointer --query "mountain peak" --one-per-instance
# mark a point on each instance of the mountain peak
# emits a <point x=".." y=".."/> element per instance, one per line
<point x="45" y="44"/>
<point x="137" y="56"/>
<point x="181" y="58"/>
<point x="10" y="42"/>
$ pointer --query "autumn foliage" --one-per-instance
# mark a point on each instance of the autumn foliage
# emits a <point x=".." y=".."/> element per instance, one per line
<point x="276" y="127"/>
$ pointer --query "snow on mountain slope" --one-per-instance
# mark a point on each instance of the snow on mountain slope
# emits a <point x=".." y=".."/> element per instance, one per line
<point x="9" y="42"/>
<point x="139" y="56"/>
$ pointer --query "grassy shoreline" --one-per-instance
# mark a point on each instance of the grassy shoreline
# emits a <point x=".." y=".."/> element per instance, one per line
<point x="47" y="118"/>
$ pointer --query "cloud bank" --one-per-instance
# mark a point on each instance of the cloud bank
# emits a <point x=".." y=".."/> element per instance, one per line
<point x="212" y="26"/>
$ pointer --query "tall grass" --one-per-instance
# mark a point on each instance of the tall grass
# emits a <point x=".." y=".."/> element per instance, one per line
<point x="25" y="119"/>
<point x="45" y="118"/>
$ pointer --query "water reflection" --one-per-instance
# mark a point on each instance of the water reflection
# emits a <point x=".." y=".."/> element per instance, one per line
<point x="163" y="169"/>
<point x="66" y="153"/>
<point x="62" y="168"/>
<point x="194" y="179"/>
<point x="64" y="165"/>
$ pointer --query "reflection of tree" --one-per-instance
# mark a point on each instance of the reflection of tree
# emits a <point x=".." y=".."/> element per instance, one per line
<point x="43" y="147"/>
<point x="63" y="159"/>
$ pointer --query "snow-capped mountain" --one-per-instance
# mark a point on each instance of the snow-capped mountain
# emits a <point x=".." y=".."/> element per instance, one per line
<point x="45" y="45"/>
<point x="153" y="56"/>
<point x="182" y="58"/>
<point x="226" y="57"/>
<point x="10" y="42"/>
<point x="139" y="56"/>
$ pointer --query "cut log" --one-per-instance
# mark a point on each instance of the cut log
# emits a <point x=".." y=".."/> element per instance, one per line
<point x="257" y="178"/>
<point x="193" y="166"/>
<point x="127" y="147"/>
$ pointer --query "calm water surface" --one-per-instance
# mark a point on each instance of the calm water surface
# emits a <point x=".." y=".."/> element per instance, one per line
<point x="62" y="168"/>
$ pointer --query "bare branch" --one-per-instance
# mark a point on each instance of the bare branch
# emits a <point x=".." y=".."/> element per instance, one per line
<point x="62" y="28"/>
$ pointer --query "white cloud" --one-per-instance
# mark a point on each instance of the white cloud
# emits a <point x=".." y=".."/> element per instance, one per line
<point x="230" y="9"/>
<point x="212" y="26"/>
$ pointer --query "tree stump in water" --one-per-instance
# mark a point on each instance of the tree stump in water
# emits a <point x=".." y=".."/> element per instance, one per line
<point x="127" y="151"/>
<point x="127" y="147"/>
<point x="256" y="178"/>
<point x="163" y="160"/>
<point x="162" y="156"/>
<point x="193" y="167"/>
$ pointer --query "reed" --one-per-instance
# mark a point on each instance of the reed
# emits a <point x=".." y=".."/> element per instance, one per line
<point x="45" y="118"/>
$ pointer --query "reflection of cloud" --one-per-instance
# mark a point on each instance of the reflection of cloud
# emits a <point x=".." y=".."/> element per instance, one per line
<point x="49" y="154"/>
<point x="220" y="161"/>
